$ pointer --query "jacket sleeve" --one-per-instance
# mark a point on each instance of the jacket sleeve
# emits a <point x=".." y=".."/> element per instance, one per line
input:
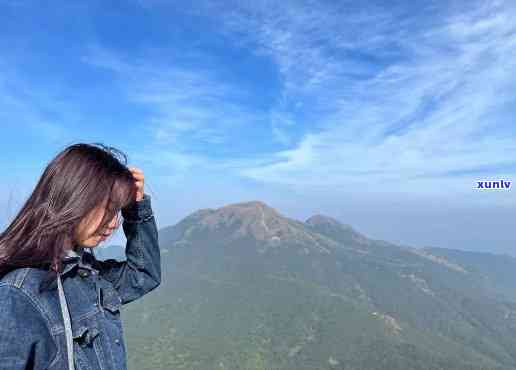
<point x="141" y="272"/>
<point x="25" y="338"/>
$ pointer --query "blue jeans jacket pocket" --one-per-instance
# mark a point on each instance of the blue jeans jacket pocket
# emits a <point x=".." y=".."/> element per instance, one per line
<point x="109" y="297"/>
<point x="111" y="300"/>
<point x="88" y="347"/>
<point x="84" y="335"/>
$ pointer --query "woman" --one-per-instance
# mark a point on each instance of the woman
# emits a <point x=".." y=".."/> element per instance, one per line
<point x="59" y="306"/>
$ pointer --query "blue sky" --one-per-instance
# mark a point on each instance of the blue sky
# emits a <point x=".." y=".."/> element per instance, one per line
<point x="381" y="114"/>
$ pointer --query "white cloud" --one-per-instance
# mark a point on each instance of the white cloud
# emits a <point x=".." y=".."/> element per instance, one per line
<point x="439" y="105"/>
<point x="191" y="107"/>
<point x="375" y="96"/>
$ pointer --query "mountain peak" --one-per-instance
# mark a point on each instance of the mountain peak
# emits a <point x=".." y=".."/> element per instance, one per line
<point x="253" y="209"/>
<point x="251" y="220"/>
<point x="254" y="218"/>
<point x="252" y="204"/>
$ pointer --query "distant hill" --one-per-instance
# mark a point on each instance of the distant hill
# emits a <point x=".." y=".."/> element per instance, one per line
<point x="496" y="270"/>
<point x="245" y="287"/>
<point x="105" y="252"/>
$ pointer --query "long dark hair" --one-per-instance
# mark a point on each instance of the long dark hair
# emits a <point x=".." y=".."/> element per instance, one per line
<point x="79" y="178"/>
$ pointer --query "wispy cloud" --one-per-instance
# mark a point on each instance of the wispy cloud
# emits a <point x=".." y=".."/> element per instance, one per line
<point x="190" y="108"/>
<point x="24" y="105"/>
<point x="387" y="99"/>
<point x="413" y="99"/>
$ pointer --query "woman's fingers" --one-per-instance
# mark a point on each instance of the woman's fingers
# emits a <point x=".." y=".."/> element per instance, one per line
<point x="139" y="181"/>
<point x="137" y="173"/>
<point x="135" y="169"/>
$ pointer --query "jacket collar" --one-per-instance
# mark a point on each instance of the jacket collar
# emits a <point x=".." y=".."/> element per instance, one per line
<point x="74" y="258"/>
<point x="71" y="259"/>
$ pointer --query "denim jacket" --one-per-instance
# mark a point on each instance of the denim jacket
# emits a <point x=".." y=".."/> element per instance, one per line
<point x="32" y="328"/>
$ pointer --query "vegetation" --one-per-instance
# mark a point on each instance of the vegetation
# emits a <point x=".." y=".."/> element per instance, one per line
<point x="231" y="300"/>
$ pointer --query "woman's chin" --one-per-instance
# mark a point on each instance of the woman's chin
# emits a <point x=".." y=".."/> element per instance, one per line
<point x="91" y="244"/>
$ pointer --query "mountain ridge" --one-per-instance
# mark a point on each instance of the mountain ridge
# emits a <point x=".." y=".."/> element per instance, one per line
<point x="319" y="292"/>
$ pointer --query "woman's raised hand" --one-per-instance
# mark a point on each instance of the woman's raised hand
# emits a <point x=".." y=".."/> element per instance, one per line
<point x="138" y="181"/>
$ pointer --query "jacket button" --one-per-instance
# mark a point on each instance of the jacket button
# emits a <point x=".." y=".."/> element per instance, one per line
<point x="117" y="341"/>
<point x="83" y="273"/>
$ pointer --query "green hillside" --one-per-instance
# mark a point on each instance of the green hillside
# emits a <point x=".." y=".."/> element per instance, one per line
<point x="245" y="287"/>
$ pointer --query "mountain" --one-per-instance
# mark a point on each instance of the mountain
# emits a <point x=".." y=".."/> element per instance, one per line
<point x="244" y="287"/>
<point x="496" y="270"/>
<point x="116" y="252"/>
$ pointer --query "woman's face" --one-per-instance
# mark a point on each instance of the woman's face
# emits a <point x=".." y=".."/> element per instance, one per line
<point x="84" y="233"/>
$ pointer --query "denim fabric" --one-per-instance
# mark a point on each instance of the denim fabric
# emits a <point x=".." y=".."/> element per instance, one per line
<point x="32" y="333"/>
